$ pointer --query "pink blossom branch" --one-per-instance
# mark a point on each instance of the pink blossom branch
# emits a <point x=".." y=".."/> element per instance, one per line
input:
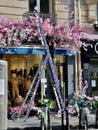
<point x="67" y="35"/>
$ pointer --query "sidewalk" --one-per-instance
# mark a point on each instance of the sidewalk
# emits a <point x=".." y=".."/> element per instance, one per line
<point x="33" y="123"/>
<point x="74" y="123"/>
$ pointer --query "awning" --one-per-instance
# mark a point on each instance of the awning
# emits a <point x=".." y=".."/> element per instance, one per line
<point x="33" y="50"/>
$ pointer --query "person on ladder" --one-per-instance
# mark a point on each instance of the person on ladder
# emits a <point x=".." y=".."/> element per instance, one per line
<point x="51" y="44"/>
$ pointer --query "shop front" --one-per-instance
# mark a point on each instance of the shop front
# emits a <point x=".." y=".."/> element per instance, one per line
<point x="23" y="63"/>
<point x="90" y="68"/>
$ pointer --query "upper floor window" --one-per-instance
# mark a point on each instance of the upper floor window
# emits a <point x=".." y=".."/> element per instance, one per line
<point x="97" y="13"/>
<point x="44" y="5"/>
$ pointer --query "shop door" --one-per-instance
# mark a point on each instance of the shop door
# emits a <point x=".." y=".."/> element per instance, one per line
<point x="61" y="76"/>
<point x="94" y="80"/>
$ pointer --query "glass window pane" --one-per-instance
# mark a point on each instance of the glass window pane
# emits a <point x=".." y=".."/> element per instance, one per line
<point x="44" y="6"/>
<point x="97" y="12"/>
<point x="32" y="4"/>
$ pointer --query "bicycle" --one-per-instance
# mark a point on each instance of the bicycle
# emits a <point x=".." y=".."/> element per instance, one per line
<point x="45" y="115"/>
<point x="83" y="121"/>
<point x="95" y="107"/>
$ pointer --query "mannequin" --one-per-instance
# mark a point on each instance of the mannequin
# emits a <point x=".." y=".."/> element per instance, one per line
<point x="14" y="84"/>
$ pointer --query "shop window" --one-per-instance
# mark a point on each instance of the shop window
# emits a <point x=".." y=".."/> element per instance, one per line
<point x="44" y="6"/>
<point x="21" y="72"/>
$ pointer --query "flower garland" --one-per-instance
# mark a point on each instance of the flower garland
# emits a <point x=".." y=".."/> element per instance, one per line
<point x="67" y="35"/>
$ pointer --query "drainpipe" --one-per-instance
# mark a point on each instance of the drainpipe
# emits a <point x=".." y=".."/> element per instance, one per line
<point x="79" y="6"/>
<point x="43" y="58"/>
<point x="79" y="54"/>
<point x="75" y="10"/>
<point x="76" y="73"/>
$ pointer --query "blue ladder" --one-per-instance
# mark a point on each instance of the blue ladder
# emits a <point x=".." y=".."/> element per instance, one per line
<point x="48" y="59"/>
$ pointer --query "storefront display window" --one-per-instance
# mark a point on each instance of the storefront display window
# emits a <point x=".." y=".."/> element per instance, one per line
<point x="91" y="75"/>
<point x="21" y="71"/>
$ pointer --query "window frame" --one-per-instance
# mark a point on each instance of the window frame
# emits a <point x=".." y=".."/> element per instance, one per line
<point x="97" y="12"/>
<point x="50" y="6"/>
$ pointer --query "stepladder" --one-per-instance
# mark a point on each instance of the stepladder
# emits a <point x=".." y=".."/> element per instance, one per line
<point x="48" y="60"/>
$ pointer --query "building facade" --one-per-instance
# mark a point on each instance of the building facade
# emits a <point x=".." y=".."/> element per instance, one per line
<point x="86" y="10"/>
<point x="13" y="9"/>
<point x="88" y="15"/>
<point x="31" y="56"/>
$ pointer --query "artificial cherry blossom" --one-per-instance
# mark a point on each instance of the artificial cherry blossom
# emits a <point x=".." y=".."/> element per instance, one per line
<point x="67" y="35"/>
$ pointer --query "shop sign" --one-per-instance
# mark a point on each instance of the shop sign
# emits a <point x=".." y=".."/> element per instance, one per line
<point x="33" y="50"/>
<point x="96" y="48"/>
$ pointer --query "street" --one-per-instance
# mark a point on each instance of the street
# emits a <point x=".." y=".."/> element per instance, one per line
<point x="34" y="123"/>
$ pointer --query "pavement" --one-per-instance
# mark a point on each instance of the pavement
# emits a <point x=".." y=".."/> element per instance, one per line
<point x="33" y="123"/>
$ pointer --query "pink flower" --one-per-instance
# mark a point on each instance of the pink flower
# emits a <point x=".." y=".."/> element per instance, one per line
<point x="18" y="31"/>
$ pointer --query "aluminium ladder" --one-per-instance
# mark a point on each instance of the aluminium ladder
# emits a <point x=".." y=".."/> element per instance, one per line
<point x="49" y="60"/>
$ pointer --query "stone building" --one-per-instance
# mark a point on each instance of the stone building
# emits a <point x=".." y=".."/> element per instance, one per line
<point x="13" y="9"/>
<point x="86" y="10"/>
<point x="21" y="62"/>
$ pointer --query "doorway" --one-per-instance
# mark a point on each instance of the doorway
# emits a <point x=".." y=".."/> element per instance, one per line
<point x="94" y="80"/>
